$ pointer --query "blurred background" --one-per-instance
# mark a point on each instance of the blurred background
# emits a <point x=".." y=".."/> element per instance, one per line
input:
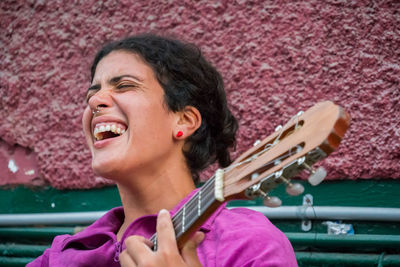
<point x="276" y="58"/>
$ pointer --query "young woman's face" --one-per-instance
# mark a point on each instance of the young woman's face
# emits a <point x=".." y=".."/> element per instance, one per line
<point x="132" y="132"/>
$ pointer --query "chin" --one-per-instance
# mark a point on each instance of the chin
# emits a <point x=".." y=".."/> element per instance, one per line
<point x="105" y="169"/>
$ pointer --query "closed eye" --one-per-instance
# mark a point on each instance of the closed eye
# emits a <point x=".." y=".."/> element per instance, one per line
<point x="126" y="85"/>
<point x="118" y="87"/>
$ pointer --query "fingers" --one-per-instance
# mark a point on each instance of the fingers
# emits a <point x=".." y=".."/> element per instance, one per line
<point x="137" y="248"/>
<point x="166" y="232"/>
<point x="126" y="260"/>
<point x="189" y="252"/>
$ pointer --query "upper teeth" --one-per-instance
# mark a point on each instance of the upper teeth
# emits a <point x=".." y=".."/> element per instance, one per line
<point x="108" y="127"/>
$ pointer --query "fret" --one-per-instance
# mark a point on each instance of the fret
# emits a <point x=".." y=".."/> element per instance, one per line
<point x="183" y="218"/>
<point x="199" y="204"/>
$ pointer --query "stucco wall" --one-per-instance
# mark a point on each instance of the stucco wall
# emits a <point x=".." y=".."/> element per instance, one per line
<point x="276" y="59"/>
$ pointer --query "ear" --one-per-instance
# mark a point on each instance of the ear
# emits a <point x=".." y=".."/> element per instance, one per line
<point x="188" y="121"/>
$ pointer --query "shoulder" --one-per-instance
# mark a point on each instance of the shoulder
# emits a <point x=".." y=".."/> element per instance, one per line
<point x="246" y="220"/>
<point x="249" y="225"/>
<point x="247" y="238"/>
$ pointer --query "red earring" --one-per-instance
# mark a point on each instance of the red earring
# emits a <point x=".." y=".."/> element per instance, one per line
<point x="179" y="134"/>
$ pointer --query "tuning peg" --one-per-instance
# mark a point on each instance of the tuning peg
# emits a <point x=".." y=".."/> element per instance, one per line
<point x="316" y="176"/>
<point x="255" y="191"/>
<point x="272" y="202"/>
<point x="294" y="189"/>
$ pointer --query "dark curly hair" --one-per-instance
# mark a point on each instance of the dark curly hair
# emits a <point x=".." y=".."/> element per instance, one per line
<point x="188" y="80"/>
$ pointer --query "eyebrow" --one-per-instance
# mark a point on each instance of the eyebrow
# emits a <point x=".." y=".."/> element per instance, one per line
<point x="115" y="80"/>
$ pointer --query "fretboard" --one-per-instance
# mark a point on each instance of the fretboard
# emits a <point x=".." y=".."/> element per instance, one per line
<point x="193" y="213"/>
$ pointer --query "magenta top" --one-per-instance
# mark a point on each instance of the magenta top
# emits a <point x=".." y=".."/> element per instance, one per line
<point x="233" y="237"/>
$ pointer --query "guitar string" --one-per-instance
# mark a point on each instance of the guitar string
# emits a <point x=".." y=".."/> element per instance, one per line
<point x="208" y="195"/>
<point x="178" y="232"/>
<point x="192" y="219"/>
<point x="189" y="223"/>
<point x="191" y="202"/>
<point x="267" y="147"/>
<point x="177" y="216"/>
<point x="177" y="221"/>
<point x="290" y="153"/>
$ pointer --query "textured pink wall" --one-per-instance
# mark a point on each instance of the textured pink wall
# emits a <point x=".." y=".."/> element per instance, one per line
<point x="276" y="59"/>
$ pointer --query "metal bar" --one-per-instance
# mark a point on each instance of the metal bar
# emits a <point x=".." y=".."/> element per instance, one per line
<point x="346" y="259"/>
<point x="330" y="213"/>
<point x="29" y="233"/>
<point x="11" y="261"/>
<point x="60" y="218"/>
<point x="18" y="250"/>
<point x="341" y="241"/>
<point x="287" y="212"/>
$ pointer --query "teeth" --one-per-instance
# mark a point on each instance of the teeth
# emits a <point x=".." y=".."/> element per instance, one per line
<point x="107" y="128"/>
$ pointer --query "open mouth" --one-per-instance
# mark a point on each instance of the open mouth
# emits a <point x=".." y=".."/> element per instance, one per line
<point x="108" y="130"/>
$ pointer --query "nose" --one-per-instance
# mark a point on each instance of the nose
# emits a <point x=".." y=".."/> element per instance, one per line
<point x="101" y="98"/>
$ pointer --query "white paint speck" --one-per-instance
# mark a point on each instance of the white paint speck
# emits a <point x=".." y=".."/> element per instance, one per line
<point x="12" y="166"/>
<point x="53" y="205"/>
<point x="30" y="172"/>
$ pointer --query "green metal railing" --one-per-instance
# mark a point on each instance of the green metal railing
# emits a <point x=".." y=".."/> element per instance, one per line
<point x="311" y="259"/>
<point x="344" y="241"/>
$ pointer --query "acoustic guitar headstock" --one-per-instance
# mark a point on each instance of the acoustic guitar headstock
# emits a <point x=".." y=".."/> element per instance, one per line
<point x="307" y="138"/>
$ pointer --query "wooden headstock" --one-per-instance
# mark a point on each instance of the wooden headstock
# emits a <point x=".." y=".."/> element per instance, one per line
<point x="307" y="138"/>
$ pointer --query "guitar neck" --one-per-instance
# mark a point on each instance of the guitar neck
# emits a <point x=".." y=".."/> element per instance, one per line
<point x="193" y="213"/>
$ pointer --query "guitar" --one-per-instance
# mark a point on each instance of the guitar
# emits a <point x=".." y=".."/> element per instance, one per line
<point x="307" y="138"/>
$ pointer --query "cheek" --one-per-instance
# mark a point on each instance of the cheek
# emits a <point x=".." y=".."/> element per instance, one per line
<point x="86" y="117"/>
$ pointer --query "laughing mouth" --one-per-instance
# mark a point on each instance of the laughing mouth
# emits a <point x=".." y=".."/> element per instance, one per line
<point x="108" y="130"/>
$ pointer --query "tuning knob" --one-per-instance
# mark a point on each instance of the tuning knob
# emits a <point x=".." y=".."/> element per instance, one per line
<point x="272" y="202"/>
<point x="317" y="176"/>
<point x="294" y="189"/>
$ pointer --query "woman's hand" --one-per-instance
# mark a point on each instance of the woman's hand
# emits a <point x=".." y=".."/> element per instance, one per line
<point x="138" y="250"/>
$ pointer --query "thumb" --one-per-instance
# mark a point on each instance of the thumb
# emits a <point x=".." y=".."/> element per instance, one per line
<point x="189" y="252"/>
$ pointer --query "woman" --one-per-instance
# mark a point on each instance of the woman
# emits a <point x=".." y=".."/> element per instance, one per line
<point x="156" y="116"/>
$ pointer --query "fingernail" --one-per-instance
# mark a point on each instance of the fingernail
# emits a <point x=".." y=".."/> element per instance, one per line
<point x="163" y="211"/>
